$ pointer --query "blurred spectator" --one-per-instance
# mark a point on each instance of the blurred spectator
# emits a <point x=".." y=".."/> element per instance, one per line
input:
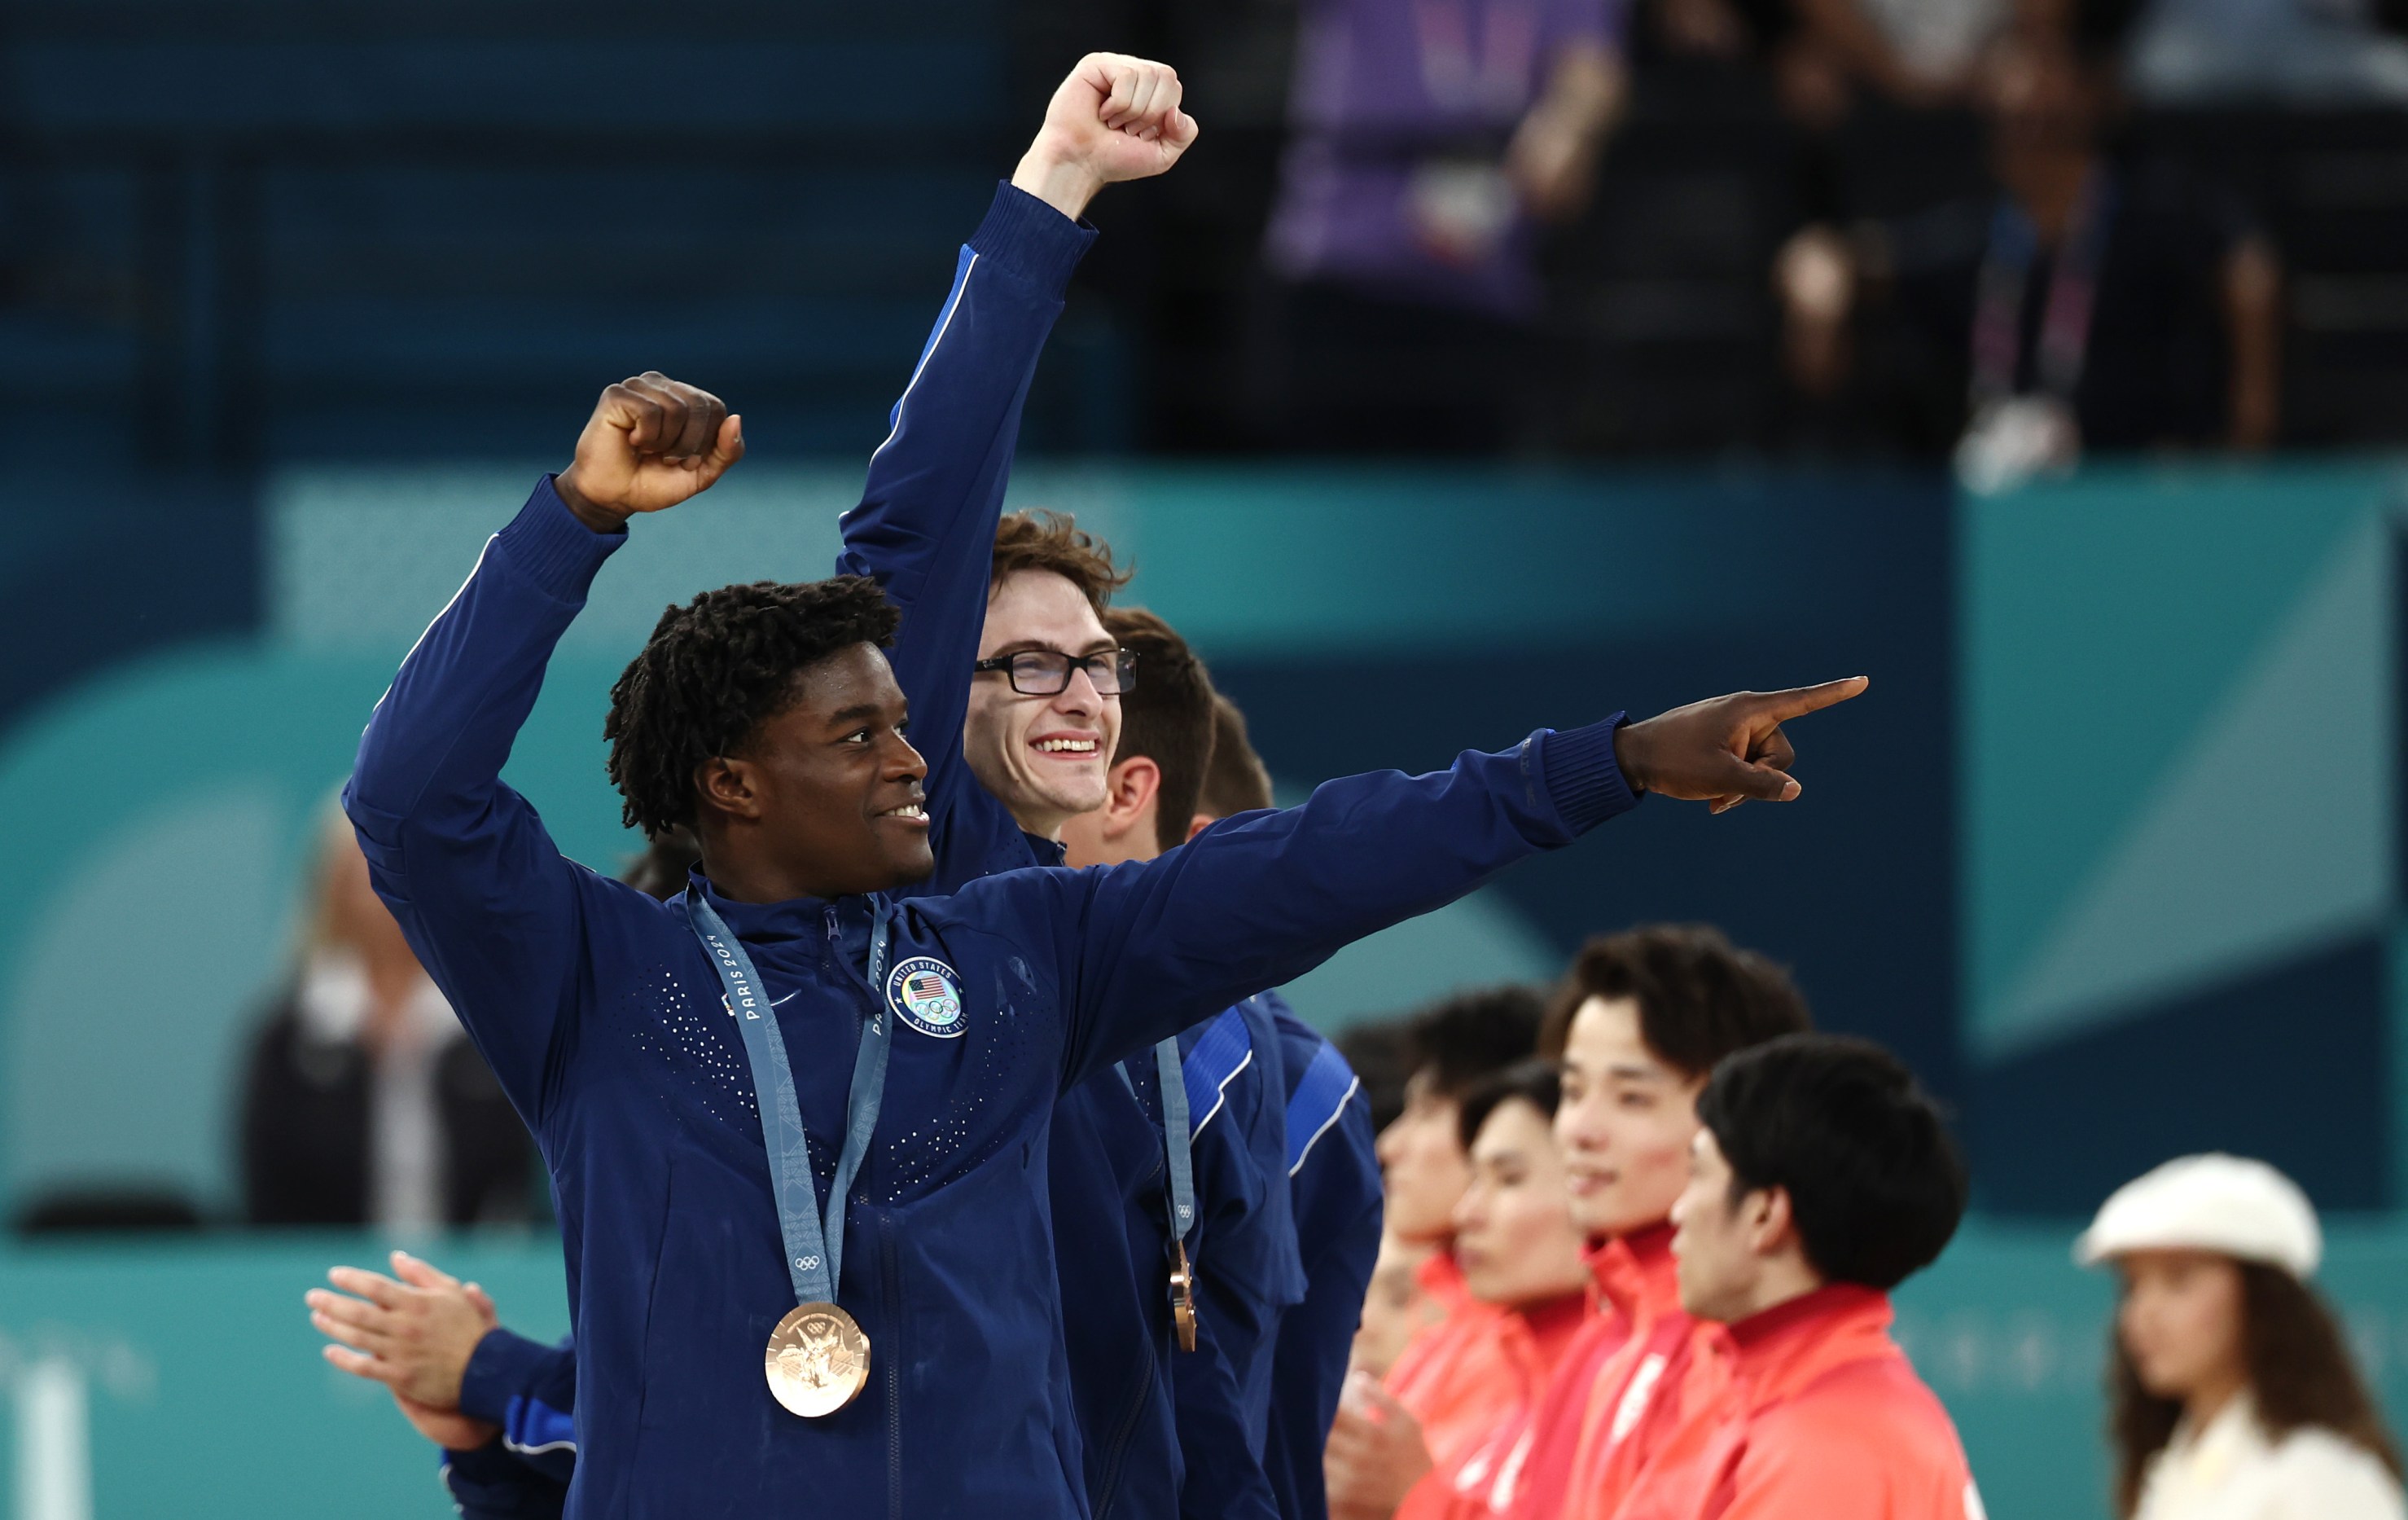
<point x="365" y="1102"/>
<point x="2233" y="1390"/>
<point x="1823" y="53"/>
<point x="1520" y="1252"/>
<point x="2307" y="52"/>
<point x="1429" y="137"/>
<point x="2094" y="302"/>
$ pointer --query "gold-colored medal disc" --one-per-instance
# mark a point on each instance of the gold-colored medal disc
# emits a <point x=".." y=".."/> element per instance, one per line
<point x="818" y="1360"/>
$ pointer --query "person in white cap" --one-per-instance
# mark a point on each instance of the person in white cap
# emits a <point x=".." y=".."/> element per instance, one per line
<point x="2234" y="1394"/>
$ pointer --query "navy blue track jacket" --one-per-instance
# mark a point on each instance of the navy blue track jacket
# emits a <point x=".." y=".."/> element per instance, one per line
<point x="596" y="1009"/>
<point x="529" y="1390"/>
<point x="1334" y="1186"/>
<point x="925" y="531"/>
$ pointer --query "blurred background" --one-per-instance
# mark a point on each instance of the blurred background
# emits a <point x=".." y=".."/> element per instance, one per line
<point x="1484" y="366"/>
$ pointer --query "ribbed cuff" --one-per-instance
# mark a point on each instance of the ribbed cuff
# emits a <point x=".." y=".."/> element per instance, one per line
<point x="551" y="547"/>
<point x="502" y="1367"/>
<point x="1032" y="240"/>
<point x="1583" y="779"/>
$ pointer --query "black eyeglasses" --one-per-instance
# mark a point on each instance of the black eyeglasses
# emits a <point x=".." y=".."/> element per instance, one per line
<point x="1046" y="672"/>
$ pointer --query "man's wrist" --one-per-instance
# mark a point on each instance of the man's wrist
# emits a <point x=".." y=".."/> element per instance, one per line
<point x="600" y="519"/>
<point x="1061" y="179"/>
<point x="1630" y="745"/>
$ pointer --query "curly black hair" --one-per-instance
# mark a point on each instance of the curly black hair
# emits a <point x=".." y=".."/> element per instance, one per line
<point x="713" y="670"/>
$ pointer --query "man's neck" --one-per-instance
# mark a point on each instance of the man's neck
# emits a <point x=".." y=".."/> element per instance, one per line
<point x="1784" y="1280"/>
<point x="2047" y="183"/>
<point x="739" y="876"/>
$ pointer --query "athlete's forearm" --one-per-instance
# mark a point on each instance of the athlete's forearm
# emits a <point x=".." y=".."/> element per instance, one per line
<point x="924" y="528"/>
<point x="444" y="728"/>
<point x="487" y="902"/>
<point x="1259" y="899"/>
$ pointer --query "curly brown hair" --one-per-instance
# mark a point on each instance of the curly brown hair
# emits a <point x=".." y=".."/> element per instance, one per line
<point x="2301" y="1374"/>
<point x="1052" y="541"/>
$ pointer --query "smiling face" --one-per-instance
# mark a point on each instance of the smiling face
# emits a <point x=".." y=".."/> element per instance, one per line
<point x="1514" y="1233"/>
<point x="2181" y="1321"/>
<point x="829" y="788"/>
<point x="1042" y="757"/>
<point x="1626" y="1121"/>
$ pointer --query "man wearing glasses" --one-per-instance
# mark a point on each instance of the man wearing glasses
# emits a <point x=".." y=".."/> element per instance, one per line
<point x="1018" y="650"/>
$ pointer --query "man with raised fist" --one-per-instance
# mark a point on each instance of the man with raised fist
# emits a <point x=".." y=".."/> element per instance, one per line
<point x="797" y="1121"/>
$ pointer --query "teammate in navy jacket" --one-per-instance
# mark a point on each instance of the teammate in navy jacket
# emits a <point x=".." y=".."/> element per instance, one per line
<point x="1333" y="1185"/>
<point x="768" y="718"/>
<point x="1244" y="1247"/>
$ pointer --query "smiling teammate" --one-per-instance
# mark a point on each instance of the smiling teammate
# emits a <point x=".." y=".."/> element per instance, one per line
<point x="768" y="719"/>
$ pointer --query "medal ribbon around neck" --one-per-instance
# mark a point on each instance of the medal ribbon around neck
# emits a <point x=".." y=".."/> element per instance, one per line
<point x="814" y="1241"/>
<point x="1177" y="1148"/>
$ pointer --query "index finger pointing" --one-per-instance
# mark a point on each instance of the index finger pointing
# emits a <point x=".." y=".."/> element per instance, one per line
<point x="1799" y="700"/>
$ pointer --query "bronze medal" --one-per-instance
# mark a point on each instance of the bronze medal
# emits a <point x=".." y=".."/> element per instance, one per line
<point x="1183" y="1296"/>
<point x="818" y="1360"/>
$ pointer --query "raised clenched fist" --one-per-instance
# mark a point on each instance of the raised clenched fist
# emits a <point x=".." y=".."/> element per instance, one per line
<point x="651" y="443"/>
<point x="1115" y="118"/>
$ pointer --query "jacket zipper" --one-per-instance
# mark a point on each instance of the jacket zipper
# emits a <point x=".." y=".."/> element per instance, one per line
<point x="890" y="1285"/>
<point x="1117" y="1452"/>
<point x="1108" y="1488"/>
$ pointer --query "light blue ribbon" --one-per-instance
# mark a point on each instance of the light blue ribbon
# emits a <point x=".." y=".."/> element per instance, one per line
<point x="814" y="1243"/>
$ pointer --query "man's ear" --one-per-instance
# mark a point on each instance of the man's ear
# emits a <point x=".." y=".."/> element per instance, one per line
<point x="727" y="786"/>
<point x="1199" y="823"/>
<point x="1130" y="788"/>
<point x="1772" y="1224"/>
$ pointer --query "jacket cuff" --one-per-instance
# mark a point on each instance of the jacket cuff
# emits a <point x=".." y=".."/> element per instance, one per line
<point x="1031" y="239"/>
<point x="502" y="1367"/>
<point x="1583" y="778"/>
<point x="548" y="544"/>
<point x="490" y="1482"/>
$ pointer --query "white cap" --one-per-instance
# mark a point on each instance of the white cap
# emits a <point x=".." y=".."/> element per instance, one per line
<point x="2225" y="1203"/>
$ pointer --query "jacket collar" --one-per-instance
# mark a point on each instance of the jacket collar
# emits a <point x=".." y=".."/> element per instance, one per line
<point x="808" y="919"/>
<point x="1637" y="1273"/>
<point x="1442" y="1278"/>
<point x="1782" y="1349"/>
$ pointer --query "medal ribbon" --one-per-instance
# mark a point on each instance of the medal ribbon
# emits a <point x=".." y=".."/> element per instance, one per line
<point x="814" y="1243"/>
<point x="1175" y="1137"/>
<point x="2073" y="292"/>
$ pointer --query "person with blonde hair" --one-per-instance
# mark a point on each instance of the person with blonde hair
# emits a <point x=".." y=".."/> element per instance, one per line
<point x="2233" y="1396"/>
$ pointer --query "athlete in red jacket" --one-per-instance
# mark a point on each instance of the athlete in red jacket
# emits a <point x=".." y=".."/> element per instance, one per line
<point x="1822" y="1177"/>
<point x="1637" y="1026"/>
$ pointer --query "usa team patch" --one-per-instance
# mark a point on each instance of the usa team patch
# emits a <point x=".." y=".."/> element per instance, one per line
<point x="925" y="994"/>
